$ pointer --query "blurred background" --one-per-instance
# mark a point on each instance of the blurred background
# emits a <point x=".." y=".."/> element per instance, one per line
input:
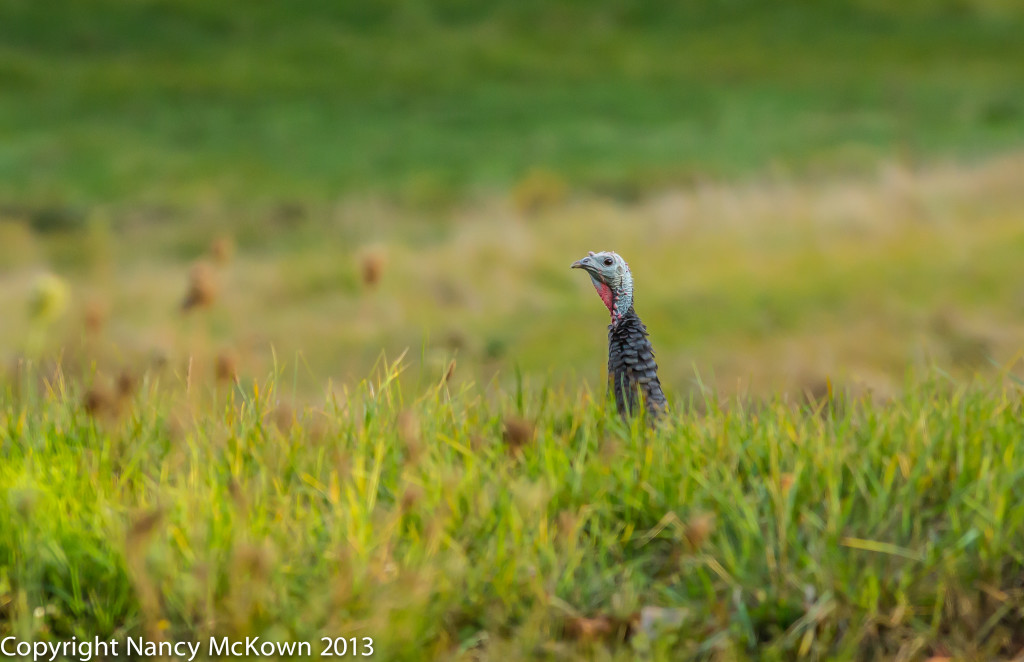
<point x="807" y="192"/>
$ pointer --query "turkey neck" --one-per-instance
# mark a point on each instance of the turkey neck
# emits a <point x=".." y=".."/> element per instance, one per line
<point x="631" y="365"/>
<point x="627" y="337"/>
<point x="622" y="305"/>
<point x="616" y="295"/>
<point x="622" y="300"/>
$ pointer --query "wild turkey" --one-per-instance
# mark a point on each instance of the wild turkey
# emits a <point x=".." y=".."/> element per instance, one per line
<point x="631" y="366"/>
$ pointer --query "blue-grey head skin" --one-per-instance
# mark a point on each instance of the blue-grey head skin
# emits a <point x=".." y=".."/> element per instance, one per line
<point x="610" y="276"/>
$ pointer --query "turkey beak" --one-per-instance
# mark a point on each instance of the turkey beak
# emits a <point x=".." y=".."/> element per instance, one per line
<point x="579" y="264"/>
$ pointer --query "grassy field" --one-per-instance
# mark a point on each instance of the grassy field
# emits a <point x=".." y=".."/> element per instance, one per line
<point x="216" y="219"/>
<point x="447" y="524"/>
<point x="786" y="180"/>
<point x="762" y="287"/>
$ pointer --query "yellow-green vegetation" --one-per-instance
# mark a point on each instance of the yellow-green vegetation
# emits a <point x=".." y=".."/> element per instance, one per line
<point x="217" y="218"/>
<point x="759" y="287"/>
<point x="531" y="524"/>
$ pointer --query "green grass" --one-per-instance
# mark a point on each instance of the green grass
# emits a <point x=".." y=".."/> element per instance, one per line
<point x="768" y="530"/>
<point x="179" y="102"/>
<point x="814" y="197"/>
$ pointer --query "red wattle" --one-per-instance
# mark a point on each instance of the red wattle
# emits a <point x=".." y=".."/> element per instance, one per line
<point x="605" y="293"/>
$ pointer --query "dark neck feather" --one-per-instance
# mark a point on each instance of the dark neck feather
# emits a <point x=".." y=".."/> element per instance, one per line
<point x="631" y="366"/>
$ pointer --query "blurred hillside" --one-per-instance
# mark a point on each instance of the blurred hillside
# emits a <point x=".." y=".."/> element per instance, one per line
<point x="183" y="101"/>
<point x="804" y="190"/>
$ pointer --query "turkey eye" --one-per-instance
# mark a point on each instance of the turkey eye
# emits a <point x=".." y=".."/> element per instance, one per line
<point x="607" y="262"/>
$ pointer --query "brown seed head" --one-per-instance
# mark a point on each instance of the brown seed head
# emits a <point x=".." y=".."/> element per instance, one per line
<point x="455" y="340"/>
<point x="588" y="629"/>
<point x="517" y="432"/>
<point x="284" y="416"/>
<point x="567" y="522"/>
<point x="411" y="496"/>
<point x="226" y="366"/>
<point x="450" y="372"/>
<point x="699" y="528"/>
<point x="94" y="317"/>
<point x="126" y="384"/>
<point x="238" y="495"/>
<point x="372" y="268"/>
<point x="143" y="525"/>
<point x="202" y="287"/>
<point x="98" y="401"/>
<point x="254" y="561"/>
<point x="158" y="359"/>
